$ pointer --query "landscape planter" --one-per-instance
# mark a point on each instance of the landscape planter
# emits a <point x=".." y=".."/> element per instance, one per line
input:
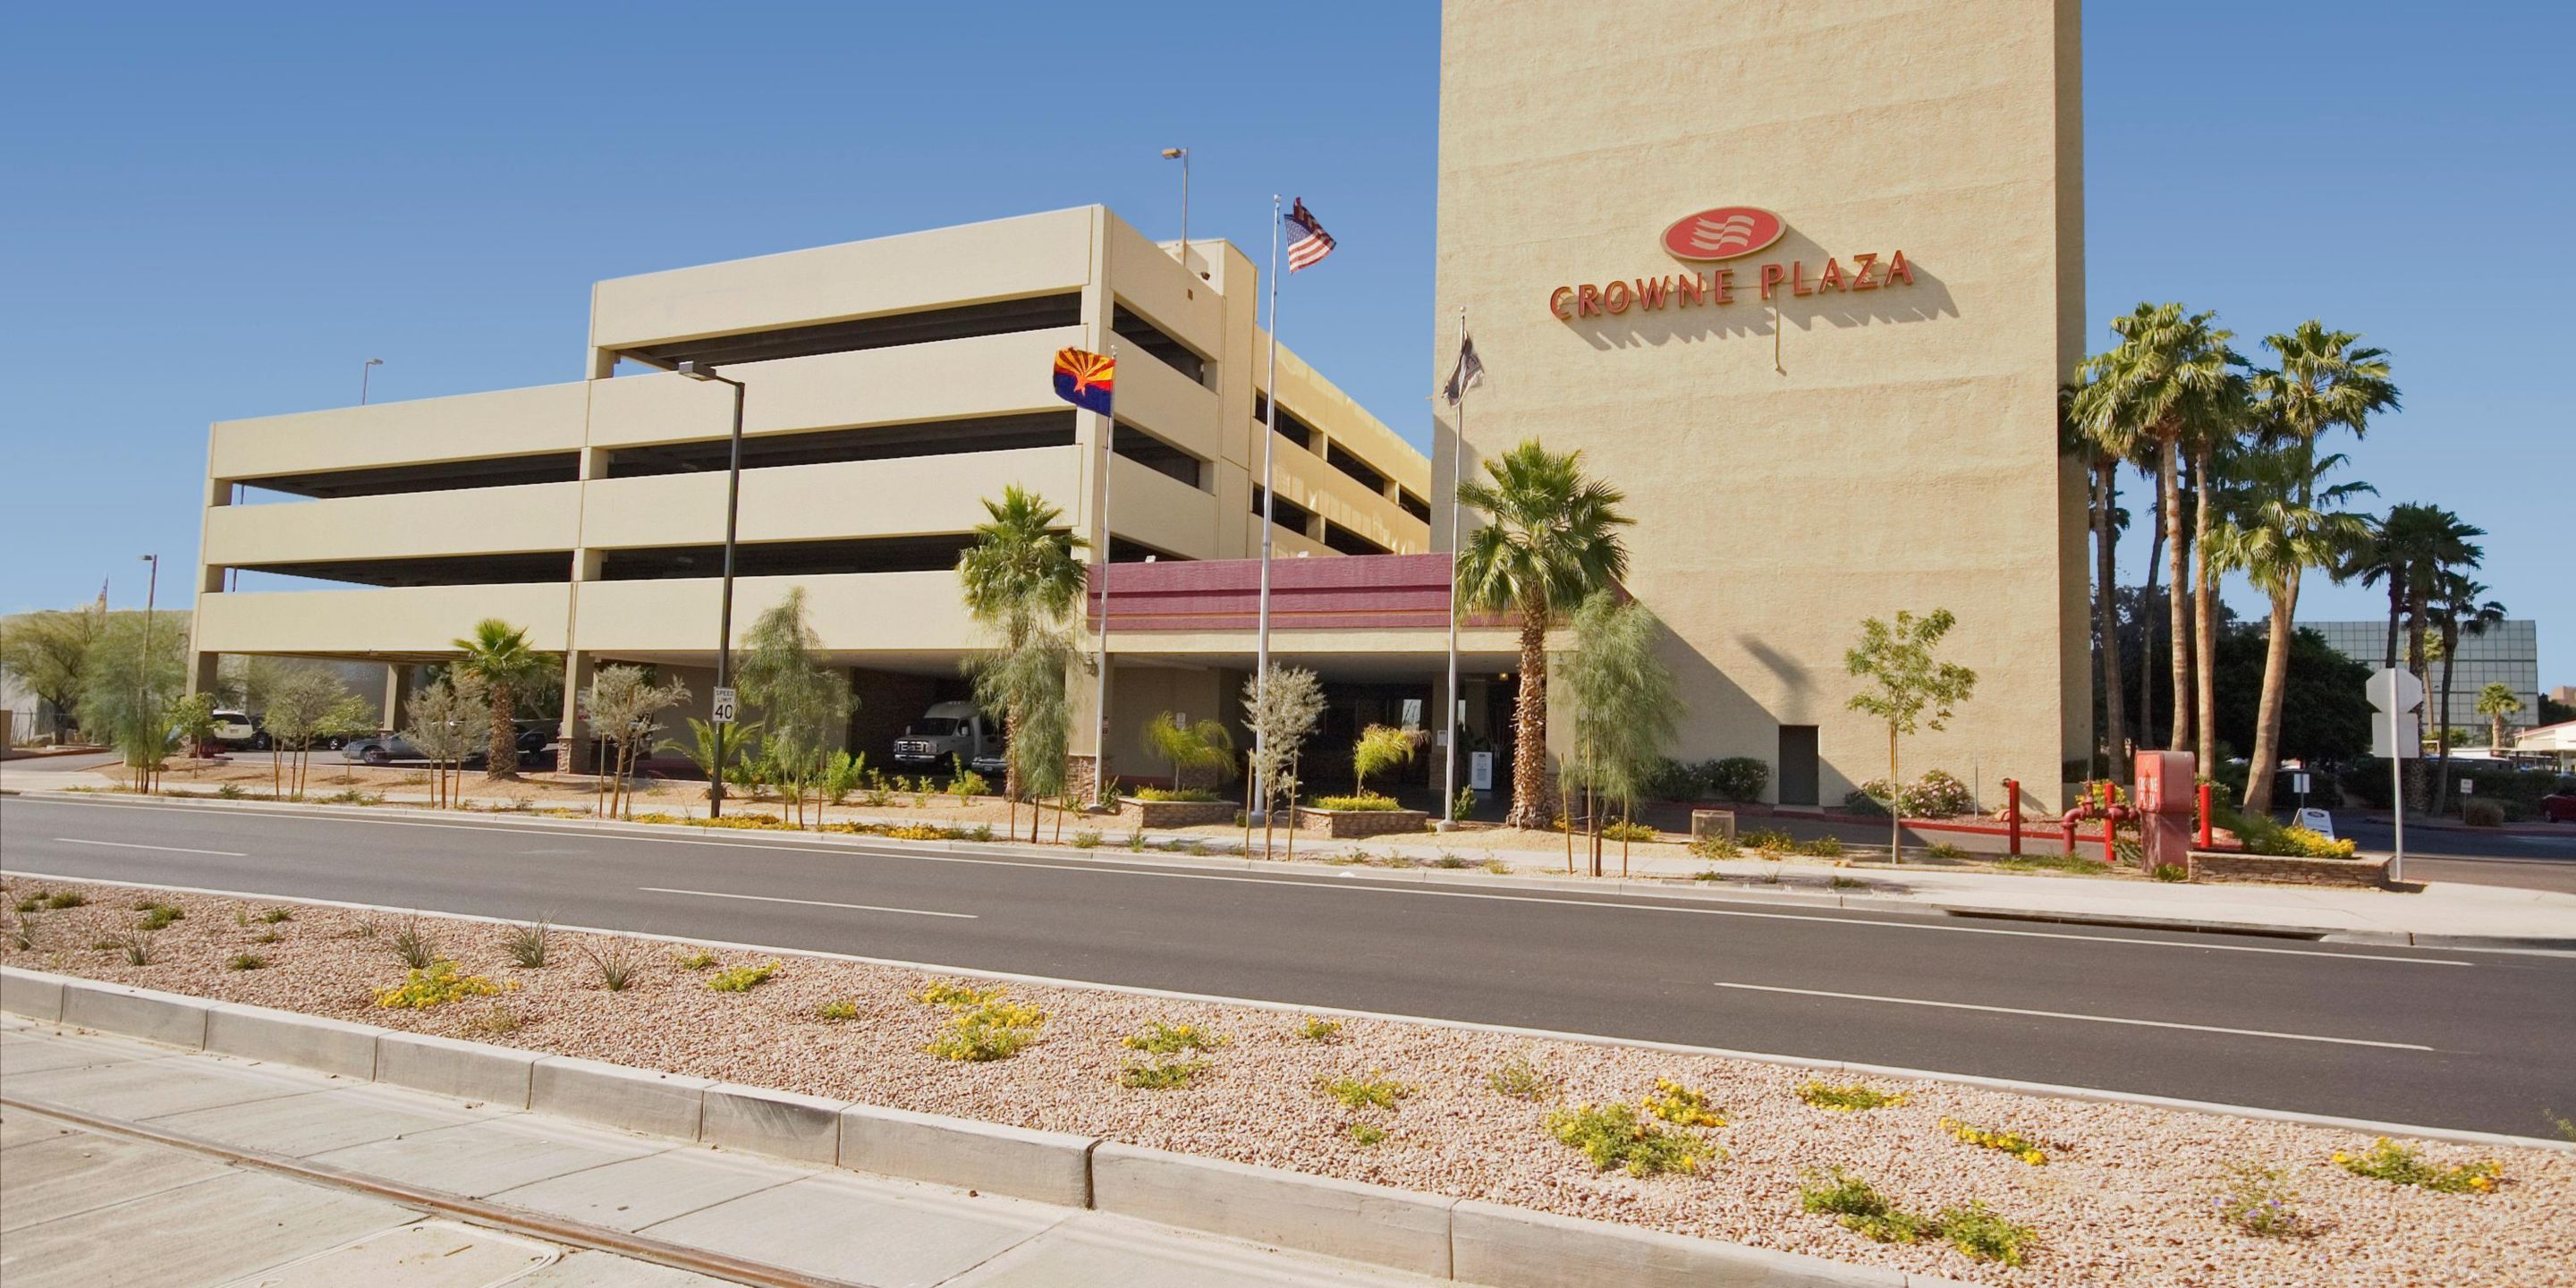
<point x="1353" y="824"/>
<point x="1159" y="814"/>
<point x="2211" y="865"/>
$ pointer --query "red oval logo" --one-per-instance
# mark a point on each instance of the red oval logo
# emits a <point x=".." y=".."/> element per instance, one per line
<point x="1723" y="233"/>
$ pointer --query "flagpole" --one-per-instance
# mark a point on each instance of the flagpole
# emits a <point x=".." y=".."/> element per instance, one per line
<point x="1269" y="499"/>
<point x="1100" y="684"/>
<point x="1457" y="466"/>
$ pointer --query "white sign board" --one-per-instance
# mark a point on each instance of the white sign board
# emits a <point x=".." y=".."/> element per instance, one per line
<point x="2318" y="821"/>
<point x="2409" y="745"/>
<point x="1480" y="770"/>
<point x="1413" y="713"/>
<point x="2299" y="783"/>
<point x="2468" y="787"/>
<point x="2394" y="688"/>
<point x="726" y="709"/>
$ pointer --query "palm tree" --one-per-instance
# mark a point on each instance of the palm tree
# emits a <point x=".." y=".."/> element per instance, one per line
<point x="2282" y="522"/>
<point x="1021" y="583"/>
<point x="2495" y="702"/>
<point x="2413" y="550"/>
<point x="1549" y="537"/>
<point x="497" y="653"/>
<point x="2102" y="452"/>
<point x="2456" y="613"/>
<point x="2231" y="420"/>
<point x="2165" y="383"/>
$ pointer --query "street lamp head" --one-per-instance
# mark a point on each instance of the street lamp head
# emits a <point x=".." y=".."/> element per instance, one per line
<point x="1175" y="154"/>
<point x="697" y="370"/>
<point x="151" y="558"/>
<point x="375" y="362"/>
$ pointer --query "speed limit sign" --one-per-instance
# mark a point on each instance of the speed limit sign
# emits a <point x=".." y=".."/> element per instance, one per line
<point x="724" y="707"/>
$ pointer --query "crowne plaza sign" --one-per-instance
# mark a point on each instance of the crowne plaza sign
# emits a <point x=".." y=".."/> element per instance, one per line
<point x="1724" y="233"/>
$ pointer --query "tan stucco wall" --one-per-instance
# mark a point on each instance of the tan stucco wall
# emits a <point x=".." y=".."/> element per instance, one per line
<point x="1901" y="453"/>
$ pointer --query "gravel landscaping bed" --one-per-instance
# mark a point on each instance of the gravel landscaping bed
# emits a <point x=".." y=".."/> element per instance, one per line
<point x="2125" y="1194"/>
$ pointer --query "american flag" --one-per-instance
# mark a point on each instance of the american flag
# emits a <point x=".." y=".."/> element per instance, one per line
<point x="1309" y="243"/>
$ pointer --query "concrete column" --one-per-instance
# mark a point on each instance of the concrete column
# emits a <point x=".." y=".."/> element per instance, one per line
<point x="202" y="668"/>
<point x="572" y="752"/>
<point x="397" y="693"/>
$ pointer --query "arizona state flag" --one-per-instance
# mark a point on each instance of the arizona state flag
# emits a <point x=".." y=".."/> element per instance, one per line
<point x="1084" y="378"/>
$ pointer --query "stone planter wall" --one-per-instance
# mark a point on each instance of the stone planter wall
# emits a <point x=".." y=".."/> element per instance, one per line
<point x="1353" y="824"/>
<point x="2209" y="865"/>
<point x="1179" y="813"/>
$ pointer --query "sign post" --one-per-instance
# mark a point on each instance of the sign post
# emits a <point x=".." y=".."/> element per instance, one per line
<point x="2396" y="693"/>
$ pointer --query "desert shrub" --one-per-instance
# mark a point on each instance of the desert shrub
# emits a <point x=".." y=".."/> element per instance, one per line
<point x="1938" y="795"/>
<point x="1364" y="1093"/>
<point x="2172" y="872"/>
<point x="1735" y="778"/>
<point x="2010" y="1142"/>
<point x="837" y="1011"/>
<point x="1857" y="1206"/>
<point x="413" y="946"/>
<point x="968" y="784"/>
<point x="1369" y="802"/>
<point x="1945" y="852"/>
<point x="956" y="996"/>
<point x="694" y="959"/>
<point x="275" y="915"/>
<point x="742" y="822"/>
<point x="436" y="984"/>
<point x="526" y="945"/>
<point x="743" y="979"/>
<point x="1869" y="800"/>
<point x="616" y="966"/>
<point x="2482" y="814"/>
<point x="246" y="961"/>
<point x="2259" y="1200"/>
<point x="1316" y="1028"/>
<point x="231" y="792"/>
<point x="916" y="832"/>
<point x="1086" y="840"/>
<point x="1715" y="845"/>
<point x="1160" y="1075"/>
<point x="1848" y="1098"/>
<point x="996" y="1030"/>
<point x="62" y="899"/>
<point x="2264" y="836"/>
<point x="1681" y="1106"/>
<point x="2402" y="1165"/>
<point x="1614" y="1136"/>
<point x="1768" y="842"/>
<point x="158" y="916"/>
<point x="1452" y="862"/>
<point x="1366" y="1134"/>
<point x="1846" y="883"/>
<point x="136" y="945"/>
<point x="1163" y="1038"/>
<point x="1825" y="847"/>
<point x="497" y="1021"/>
<point x="1983" y="1235"/>
<point x="1629" y="830"/>
<point x="1670" y="780"/>
<point x="1497" y="867"/>
<point x="1521" y="1079"/>
<point x="1463" y="806"/>
<point x="1194" y="794"/>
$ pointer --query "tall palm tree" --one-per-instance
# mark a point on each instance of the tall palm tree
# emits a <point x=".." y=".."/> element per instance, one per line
<point x="497" y="653"/>
<point x="1021" y="583"/>
<point x="1549" y="536"/>
<point x="2417" y="547"/>
<point x="2102" y="457"/>
<point x="2165" y="383"/>
<point x="2230" y="419"/>
<point x="2284" y="521"/>
<point x="2457" y="613"/>
<point x="2495" y="702"/>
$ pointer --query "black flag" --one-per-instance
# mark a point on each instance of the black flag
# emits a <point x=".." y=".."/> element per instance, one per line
<point x="1470" y="372"/>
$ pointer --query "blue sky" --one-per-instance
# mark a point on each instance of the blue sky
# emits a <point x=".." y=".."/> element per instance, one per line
<point x="223" y="211"/>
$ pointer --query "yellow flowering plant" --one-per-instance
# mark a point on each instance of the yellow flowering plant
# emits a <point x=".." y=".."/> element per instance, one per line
<point x="2013" y="1143"/>
<point x="2398" y="1164"/>
<point x="1677" y="1104"/>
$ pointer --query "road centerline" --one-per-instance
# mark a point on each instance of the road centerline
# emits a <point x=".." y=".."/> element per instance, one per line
<point x="810" y="903"/>
<point x="2070" y="1015"/>
<point x="165" y="849"/>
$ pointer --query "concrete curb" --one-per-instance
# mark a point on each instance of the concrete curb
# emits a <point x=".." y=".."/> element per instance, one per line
<point x="286" y="1037"/>
<point x="1427" y="1234"/>
<point x="1795" y="889"/>
<point x="1373" y="1223"/>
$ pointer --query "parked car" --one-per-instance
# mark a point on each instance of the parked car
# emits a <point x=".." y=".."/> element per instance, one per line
<point x="950" y="733"/>
<point x="2559" y="807"/>
<point x="391" y="748"/>
<point x="239" y="731"/>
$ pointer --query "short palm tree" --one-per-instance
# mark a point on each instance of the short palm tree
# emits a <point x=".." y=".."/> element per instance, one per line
<point x="2496" y="702"/>
<point x="497" y="653"/>
<point x="2170" y="382"/>
<point x="1549" y="537"/>
<point x="1021" y="583"/>
<point x="2284" y="520"/>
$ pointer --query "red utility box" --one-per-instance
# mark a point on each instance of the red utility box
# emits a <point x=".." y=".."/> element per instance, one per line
<point x="2167" y="798"/>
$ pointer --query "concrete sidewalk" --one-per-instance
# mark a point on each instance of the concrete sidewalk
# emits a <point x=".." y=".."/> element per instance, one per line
<point x="202" y="1170"/>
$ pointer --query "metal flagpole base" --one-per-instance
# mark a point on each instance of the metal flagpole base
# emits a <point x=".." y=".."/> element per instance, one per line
<point x="1445" y="825"/>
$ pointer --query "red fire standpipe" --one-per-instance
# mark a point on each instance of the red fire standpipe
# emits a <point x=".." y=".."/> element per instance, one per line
<point x="2110" y="830"/>
<point x="2206" y="839"/>
<point x="2012" y="815"/>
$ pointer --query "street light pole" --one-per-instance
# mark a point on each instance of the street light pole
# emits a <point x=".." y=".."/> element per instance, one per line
<point x="724" y="615"/>
<point x="1100" y="681"/>
<point x="143" y="669"/>
<point x="1182" y="155"/>
<point x="363" y="372"/>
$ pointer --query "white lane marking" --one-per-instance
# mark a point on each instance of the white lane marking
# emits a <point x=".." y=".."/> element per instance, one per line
<point x="810" y="903"/>
<point x="165" y="849"/>
<point x="2363" y="1126"/>
<point x="1087" y="867"/>
<point x="2068" y="1015"/>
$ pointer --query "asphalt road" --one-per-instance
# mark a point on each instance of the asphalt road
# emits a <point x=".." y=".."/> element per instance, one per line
<point x="2460" y="1039"/>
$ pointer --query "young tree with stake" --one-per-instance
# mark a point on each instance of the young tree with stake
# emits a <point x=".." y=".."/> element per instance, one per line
<point x="1912" y="691"/>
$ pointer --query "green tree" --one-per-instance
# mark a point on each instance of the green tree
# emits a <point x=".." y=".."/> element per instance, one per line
<point x="623" y="703"/>
<point x="303" y="705"/>
<point x="143" y="740"/>
<point x="1911" y="691"/>
<point x="1624" y="709"/>
<point x="2457" y="613"/>
<point x="1201" y="747"/>
<point x="2325" y="714"/>
<point x="192" y="722"/>
<point x="2170" y="382"/>
<point x="1283" y="713"/>
<point x="2496" y="702"/>
<point x="804" y="705"/>
<point x="2285" y="518"/>
<point x="1028" y="681"/>
<point x="445" y="720"/>
<point x="1548" y="537"/>
<point x="1381" y="749"/>
<point x="1021" y="583"/>
<point x="120" y="683"/>
<point x="47" y="653"/>
<point x="498" y="654"/>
